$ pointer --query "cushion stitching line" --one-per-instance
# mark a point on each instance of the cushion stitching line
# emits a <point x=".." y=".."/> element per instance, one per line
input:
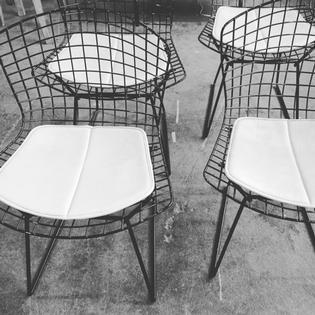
<point x="244" y="184"/>
<point x="296" y="162"/>
<point x="18" y="206"/>
<point x="80" y="174"/>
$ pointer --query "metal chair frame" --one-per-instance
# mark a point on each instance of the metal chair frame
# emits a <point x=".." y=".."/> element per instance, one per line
<point x="258" y="89"/>
<point x="218" y="251"/>
<point x="158" y="16"/>
<point x="23" y="46"/>
<point x="227" y="52"/>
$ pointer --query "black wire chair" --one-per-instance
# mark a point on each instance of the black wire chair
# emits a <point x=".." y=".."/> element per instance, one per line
<point x="156" y="14"/>
<point x="209" y="8"/>
<point x="23" y="47"/>
<point x="279" y="31"/>
<point x="251" y="91"/>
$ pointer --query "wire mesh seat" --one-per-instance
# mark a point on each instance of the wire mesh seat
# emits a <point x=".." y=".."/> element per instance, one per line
<point x="260" y="164"/>
<point x="58" y="148"/>
<point x="279" y="31"/>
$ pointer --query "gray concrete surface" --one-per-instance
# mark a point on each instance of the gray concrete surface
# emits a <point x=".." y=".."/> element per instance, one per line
<point x="269" y="267"/>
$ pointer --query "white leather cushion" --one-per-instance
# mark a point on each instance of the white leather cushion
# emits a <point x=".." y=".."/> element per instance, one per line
<point x="274" y="158"/>
<point x="118" y="59"/>
<point x="78" y="172"/>
<point x="281" y="31"/>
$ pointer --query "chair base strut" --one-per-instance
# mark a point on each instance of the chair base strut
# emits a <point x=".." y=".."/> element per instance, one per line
<point x="309" y="227"/>
<point x="216" y="257"/>
<point x="212" y="107"/>
<point x="32" y="283"/>
<point x="150" y="275"/>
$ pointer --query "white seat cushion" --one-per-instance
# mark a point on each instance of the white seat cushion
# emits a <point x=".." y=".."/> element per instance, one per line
<point x="78" y="172"/>
<point x="282" y="31"/>
<point x="274" y="158"/>
<point x="118" y="59"/>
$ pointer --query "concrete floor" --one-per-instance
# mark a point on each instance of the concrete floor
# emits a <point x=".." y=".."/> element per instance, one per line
<point x="269" y="267"/>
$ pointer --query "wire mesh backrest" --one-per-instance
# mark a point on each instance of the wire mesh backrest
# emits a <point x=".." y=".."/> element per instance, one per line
<point x="276" y="28"/>
<point x="24" y="45"/>
<point x="157" y="14"/>
<point x="265" y="89"/>
<point x="210" y="7"/>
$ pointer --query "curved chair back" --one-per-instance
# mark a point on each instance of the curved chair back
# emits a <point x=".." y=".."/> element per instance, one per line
<point x="157" y="14"/>
<point x="210" y="7"/>
<point x="275" y="29"/>
<point x="265" y="90"/>
<point x="45" y="99"/>
<point x="23" y="46"/>
<point x="273" y="32"/>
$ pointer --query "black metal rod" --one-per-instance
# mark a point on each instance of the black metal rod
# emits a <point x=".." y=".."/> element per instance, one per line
<point x="206" y="125"/>
<point x="281" y="101"/>
<point x="156" y="115"/>
<point x="32" y="284"/>
<point x="164" y="138"/>
<point x="138" y="254"/>
<point x="28" y="256"/>
<point x="94" y="117"/>
<point x="44" y="260"/>
<point x="75" y="110"/>
<point x="308" y="226"/>
<point x="216" y="264"/>
<point x="211" y="109"/>
<point x="136" y="10"/>
<point x="216" y="240"/>
<point x="151" y="259"/>
<point x="297" y="91"/>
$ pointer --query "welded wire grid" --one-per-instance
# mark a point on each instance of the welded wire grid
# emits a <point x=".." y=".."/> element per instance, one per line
<point x="266" y="34"/>
<point x="210" y="7"/>
<point x="257" y="90"/>
<point x="22" y="47"/>
<point x="93" y="52"/>
<point x="155" y="14"/>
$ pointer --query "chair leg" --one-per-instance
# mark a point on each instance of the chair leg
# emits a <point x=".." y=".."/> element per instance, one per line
<point x="206" y="124"/>
<point x="216" y="258"/>
<point x="162" y="123"/>
<point x="152" y="259"/>
<point x="32" y="283"/>
<point x="211" y="108"/>
<point x="76" y="110"/>
<point x="297" y="91"/>
<point x="281" y="102"/>
<point x="308" y="226"/>
<point x="165" y="144"/>
<point x="149" y="277"/>
<point x="279" y="94"/>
